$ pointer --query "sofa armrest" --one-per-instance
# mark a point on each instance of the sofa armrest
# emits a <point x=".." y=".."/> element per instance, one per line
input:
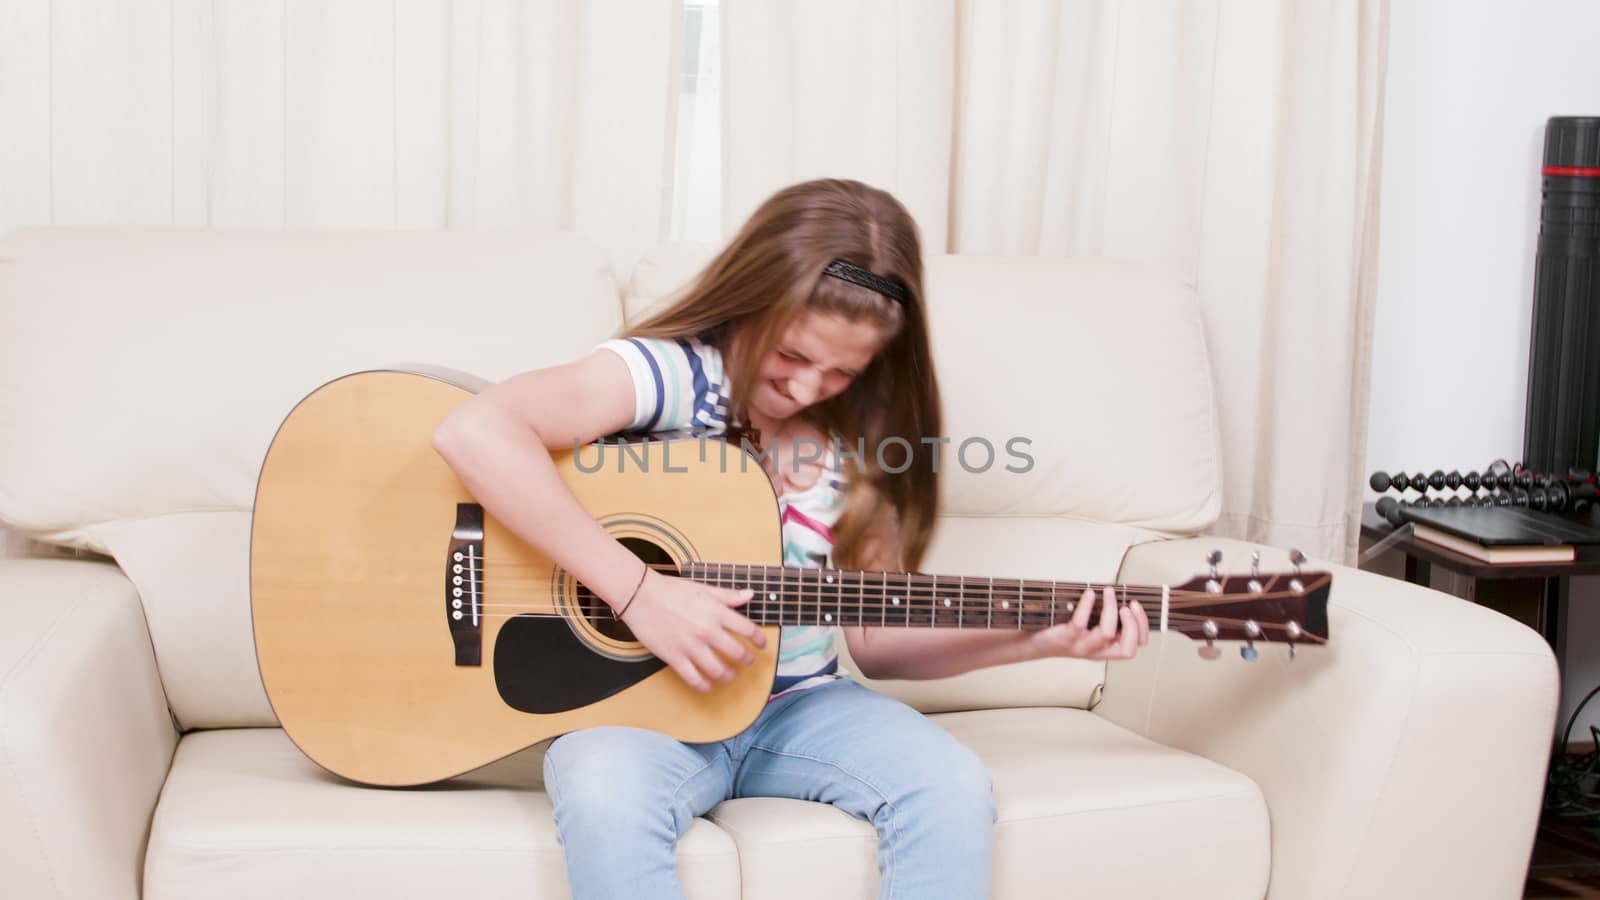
<point x="85" y="735"/>
<point x="1404" y="759"/>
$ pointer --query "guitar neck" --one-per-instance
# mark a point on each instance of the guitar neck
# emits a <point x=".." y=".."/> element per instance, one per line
<point x="790" y="595"/>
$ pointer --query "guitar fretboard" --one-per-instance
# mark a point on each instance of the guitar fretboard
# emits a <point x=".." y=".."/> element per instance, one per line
<point x="790" y="595"/>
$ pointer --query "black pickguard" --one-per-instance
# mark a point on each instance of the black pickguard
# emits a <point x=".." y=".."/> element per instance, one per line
<point x="540" y="666"/>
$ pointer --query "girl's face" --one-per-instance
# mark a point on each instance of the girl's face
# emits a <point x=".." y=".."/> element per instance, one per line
<point x="817" y="358"/>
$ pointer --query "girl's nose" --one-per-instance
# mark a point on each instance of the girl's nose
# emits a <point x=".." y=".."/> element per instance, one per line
<point x="804" y="386"/>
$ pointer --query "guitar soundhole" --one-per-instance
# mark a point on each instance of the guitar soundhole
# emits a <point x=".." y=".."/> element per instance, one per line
<point x="599" y="613"/>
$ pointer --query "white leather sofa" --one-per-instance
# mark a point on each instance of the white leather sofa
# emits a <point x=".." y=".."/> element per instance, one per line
<point x="144" y="373"/>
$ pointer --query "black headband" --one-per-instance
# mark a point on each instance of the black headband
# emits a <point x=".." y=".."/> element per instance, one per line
<point x="888" y="287"/>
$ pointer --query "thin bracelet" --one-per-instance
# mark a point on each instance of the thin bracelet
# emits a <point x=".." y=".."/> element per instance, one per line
<point x="635" y="593"/>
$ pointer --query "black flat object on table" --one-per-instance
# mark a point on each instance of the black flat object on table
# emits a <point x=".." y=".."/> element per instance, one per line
<point x="1495" y="526"/>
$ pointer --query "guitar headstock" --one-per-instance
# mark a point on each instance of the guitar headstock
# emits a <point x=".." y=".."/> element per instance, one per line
<point x="1259" y="608"/>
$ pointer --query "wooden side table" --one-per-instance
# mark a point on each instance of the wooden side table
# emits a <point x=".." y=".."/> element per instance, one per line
<point x="1549" y="582"/>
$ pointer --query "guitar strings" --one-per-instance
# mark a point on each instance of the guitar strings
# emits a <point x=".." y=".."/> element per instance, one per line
<point x="971" y="593"/>
<point x="797" y="574"/>
<point x="903" y="583"/>
<point x="1028" y="605"/>
<point x="917" y="588"/>
<point x="1193" y="620"/>
<point x="917" y="620"/>
<point x="1193" y="628"/>
<point x="892" y="623"/>
<point x="840" y="590"/>
<point x="728" y="572"/>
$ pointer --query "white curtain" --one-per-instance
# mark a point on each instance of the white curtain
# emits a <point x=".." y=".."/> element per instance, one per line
<point x="819" y="88"/>
<point x="1236" y="141"/>
<point x="341" y="113"/>
<point x="425" y="114"/>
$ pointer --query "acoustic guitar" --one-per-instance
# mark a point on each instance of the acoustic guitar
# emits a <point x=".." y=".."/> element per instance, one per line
<point x="405" y="637"/>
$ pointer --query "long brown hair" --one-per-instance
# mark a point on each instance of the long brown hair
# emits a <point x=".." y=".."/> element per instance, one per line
<point x="770" y="273"/>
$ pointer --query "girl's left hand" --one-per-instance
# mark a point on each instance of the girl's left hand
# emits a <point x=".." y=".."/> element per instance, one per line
<point x="1118" y="635"/>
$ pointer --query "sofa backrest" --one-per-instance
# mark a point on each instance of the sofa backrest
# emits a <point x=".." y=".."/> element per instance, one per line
<point x="147" y="369"/>
<point x="1099" y="366"/>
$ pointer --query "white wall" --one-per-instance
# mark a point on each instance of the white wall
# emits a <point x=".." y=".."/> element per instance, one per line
<point x="1470" y="87"/>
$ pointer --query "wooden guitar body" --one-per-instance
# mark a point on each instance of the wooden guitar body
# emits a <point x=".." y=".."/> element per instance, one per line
<point x="357" y="522"/>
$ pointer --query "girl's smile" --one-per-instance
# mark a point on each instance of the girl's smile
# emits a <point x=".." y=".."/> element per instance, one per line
<point x="816" y="359"/>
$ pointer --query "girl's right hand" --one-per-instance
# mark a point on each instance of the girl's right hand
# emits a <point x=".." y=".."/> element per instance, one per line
<point x="693" y="627"/>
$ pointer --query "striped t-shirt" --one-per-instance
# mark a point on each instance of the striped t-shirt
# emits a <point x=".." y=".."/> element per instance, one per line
<point x="681" y="384"/>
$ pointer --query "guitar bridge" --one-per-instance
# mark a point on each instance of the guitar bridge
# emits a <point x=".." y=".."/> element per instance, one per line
<point x="463" y="585"/>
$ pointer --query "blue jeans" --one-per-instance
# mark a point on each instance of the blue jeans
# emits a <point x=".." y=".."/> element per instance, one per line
<point x="624" y="796"/>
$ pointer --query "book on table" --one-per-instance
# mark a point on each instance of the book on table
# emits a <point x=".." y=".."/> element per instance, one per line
<point x="1504" y="534"/>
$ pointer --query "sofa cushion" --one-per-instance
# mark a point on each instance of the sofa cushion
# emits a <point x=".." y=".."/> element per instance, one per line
<point x="1086" y="809"/>
<point x="159" y="362"/>
<point x="245" y="815"/>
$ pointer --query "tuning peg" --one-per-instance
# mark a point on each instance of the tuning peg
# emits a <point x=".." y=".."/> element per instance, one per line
<point x="1298" y="558"/>
<point x="1255" y="572"/>
<point x="1248" y="652"/>
<point x="1293" y="631"/>
<point x="1210" y="652"/>
<point x="1214" y="586"/>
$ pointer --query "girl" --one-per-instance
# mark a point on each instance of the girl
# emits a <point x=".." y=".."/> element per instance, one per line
<point x="809" y="328"/>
